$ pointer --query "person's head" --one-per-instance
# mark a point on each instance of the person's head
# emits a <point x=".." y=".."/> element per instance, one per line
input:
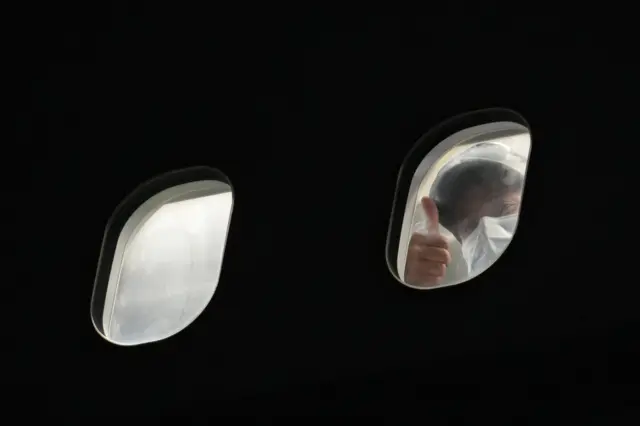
<point x="475" y="188"/>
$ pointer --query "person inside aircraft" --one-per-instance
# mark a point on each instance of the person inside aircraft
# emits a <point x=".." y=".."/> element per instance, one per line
<point x="473" y="205"/>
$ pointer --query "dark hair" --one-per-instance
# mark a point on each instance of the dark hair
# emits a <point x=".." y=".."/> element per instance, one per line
<point x="453" y="185"/>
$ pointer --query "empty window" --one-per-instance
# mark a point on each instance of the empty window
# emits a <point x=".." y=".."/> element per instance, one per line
<point x="161" y="260"/>
<point x="457" y="212"/>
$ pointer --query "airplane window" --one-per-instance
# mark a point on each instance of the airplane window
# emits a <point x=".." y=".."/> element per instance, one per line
<point x="463" y="205"/>
<point x="165" y="265"/>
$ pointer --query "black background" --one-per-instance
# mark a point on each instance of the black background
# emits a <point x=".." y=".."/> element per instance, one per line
<point x="311" y="115"/>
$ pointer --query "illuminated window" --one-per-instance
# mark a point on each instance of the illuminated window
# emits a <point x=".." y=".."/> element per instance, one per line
<point x="458" y="199"/>
<point x="160" y="265"/>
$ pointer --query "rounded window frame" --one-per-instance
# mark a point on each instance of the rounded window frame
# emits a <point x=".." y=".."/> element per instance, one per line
<point x="130" y="216"/>
<point x="458" y="132"/>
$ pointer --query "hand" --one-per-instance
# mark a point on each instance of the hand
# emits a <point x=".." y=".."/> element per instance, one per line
<point x="428" y="255"/>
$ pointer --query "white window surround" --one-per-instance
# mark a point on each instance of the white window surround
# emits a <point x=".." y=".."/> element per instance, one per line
<point x="429" y="167"/>
<point x="168" y="203"/>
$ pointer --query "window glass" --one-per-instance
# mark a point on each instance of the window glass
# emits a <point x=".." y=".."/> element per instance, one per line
<point x="166" y="263"/>
<point x="463" y="205"/>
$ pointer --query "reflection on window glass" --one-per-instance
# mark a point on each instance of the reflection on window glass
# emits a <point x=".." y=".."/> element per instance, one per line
<point x="466" y="208"/>
<point x="166" y="270"/>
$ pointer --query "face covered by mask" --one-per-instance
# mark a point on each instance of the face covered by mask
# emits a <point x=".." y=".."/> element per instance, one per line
<point x="487" y="242"/>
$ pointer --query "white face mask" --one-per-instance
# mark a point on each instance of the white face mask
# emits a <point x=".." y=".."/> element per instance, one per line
<point x="487" y="242"/>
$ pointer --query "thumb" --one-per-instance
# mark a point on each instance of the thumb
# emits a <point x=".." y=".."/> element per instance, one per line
<point x="431" y="210"/>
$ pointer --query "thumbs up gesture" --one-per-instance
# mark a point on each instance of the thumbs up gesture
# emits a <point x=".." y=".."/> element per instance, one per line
<point x="428" y="255"/>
